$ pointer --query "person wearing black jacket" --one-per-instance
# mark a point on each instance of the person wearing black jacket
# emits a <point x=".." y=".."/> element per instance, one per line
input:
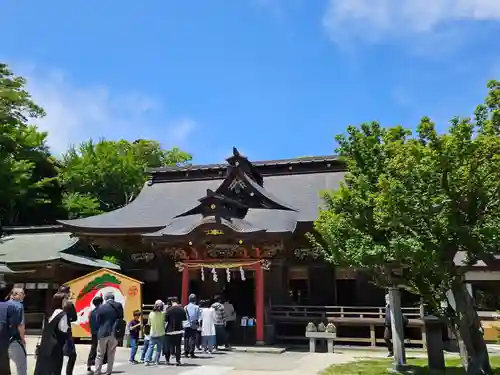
<point x="174" y="316"/>
<point x="108" y="315"/>
<point x="69" y="349"/>
<point x="97" y="301"/>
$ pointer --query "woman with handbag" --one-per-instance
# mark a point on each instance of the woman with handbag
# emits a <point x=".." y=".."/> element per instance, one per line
<point x="49" y="356"/>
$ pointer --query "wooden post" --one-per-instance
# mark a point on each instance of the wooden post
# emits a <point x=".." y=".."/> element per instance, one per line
<point x="397" y="329"/>
<point x="259" y="304"/>
<point x="185" y="286"/>
<point x="373" y="337"/>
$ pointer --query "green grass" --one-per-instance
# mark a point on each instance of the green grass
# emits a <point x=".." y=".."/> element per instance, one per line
<point x="419" y="367"/>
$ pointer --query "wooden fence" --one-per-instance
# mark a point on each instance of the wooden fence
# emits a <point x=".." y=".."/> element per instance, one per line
<point x="355" y="324"/>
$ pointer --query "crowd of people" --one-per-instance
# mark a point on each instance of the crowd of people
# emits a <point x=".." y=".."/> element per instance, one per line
<point x="205" y="326"/>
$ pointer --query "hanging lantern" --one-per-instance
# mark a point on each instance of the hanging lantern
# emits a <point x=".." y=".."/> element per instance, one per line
<point x="202" y="274"/>
<point x="228" y="274"/>
<point x="242" y="274"/>
<point x="214" y="275"/>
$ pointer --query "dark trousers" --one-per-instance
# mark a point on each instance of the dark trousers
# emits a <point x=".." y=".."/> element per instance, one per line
<point x="229" y="332"/>
<point x="198" y="339"/>
<point x="190" y="340"/>
<point x="388" y="339"/>
<point x="166" y="348"/>
<point x="4" y="360"/>
<point x="70" y="351"/>
<point x="220" y="335"/>
<point x="174" y="346"/>
<point x="70" y="366"/>
<point x="93" y="351"/>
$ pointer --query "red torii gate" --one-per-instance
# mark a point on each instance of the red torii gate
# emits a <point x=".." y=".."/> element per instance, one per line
<point x="256" y="265"/>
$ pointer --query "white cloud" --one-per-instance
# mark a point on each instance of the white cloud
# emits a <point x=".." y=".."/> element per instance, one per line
<point x="376" y="19"/>
<point x="76" y="113"/>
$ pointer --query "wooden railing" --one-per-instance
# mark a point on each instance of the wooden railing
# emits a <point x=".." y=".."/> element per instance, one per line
<point x="337" y="312"/>
<point x="355" y="324"/>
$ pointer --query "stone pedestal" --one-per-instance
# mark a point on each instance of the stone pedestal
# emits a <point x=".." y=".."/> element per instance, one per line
<point x="435" y="344"/>
<point x="329" y="337"/>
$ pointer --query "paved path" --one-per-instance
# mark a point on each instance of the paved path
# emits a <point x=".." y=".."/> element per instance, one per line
<point x="226" y="363"/>
<point x="233" y="363"/>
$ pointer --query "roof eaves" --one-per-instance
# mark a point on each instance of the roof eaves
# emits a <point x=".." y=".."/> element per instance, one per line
<point x="82" y="229"/>
<point x="10" y="230"/>
<point x="263" y="163"/>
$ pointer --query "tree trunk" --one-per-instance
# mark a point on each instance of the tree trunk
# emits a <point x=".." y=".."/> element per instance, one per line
<point x="471" y="341"/>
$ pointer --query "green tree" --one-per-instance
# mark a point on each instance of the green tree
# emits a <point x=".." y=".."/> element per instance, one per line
<point x="411" y="204"/>
<point x="106" y="175"/>
<point x="29" y="188"/>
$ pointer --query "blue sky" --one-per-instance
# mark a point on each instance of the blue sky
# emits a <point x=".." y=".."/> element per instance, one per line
<point x="275" y="78"/>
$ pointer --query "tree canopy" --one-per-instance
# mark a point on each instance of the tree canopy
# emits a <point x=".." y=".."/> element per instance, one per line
<point x="38" y="188"/>
<point x="29" y="189"/>
<point x="106" y="175"/>
<point x="418" y="204"/>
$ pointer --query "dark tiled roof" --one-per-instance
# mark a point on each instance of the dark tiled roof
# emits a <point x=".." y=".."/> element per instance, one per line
<point x="159" y="203"/>
<point x="44" y="247"/>
<point x="268" y="195"/>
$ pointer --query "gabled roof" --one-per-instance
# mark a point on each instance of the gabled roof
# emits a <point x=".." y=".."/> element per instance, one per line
<point x="295" y="184"/>
<point x="44" y="247"/>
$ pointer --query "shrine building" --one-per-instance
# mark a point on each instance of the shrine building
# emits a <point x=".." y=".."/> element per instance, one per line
<point x="236" y="229"/>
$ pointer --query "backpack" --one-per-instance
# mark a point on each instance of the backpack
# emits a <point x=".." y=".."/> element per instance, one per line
<point x="119" y="326"/>
<point x="189" y="323"/>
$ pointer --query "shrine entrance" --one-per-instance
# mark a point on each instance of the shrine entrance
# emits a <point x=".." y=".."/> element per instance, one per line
<point x="239" y="291"/>
<point x="240" y="281"/>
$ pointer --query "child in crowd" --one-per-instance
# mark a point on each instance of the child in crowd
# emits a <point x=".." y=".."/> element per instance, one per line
<point x="134" y="328"/>
<point x="147" y="337"/>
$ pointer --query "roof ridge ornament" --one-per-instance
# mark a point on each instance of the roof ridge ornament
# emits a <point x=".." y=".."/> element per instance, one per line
<point x="239" y="161"/>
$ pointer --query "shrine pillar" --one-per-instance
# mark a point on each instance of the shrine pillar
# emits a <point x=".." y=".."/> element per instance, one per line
<point x="185" y="286"/>
<point x="259" y="304"/>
